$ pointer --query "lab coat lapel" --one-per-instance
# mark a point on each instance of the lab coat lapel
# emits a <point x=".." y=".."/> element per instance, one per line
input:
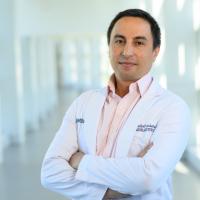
<point x="129" y="129"/>
<point x="92" y="119"/>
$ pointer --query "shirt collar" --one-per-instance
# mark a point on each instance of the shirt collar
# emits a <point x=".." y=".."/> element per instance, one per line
<point x="111" y="84"/>
<point x="142" y="84"/>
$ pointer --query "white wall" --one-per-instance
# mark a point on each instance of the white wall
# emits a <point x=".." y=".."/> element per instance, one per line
<point x="1" y="135"/>
<point x="88" y="20"/>
<point x="67" y="16"/>
<point x="10" y="76"/>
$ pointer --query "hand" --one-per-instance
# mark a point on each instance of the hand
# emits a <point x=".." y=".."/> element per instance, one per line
<point x="111" y="194"/>
<point x="145" y="150"/>
<point x="76" y="159"/>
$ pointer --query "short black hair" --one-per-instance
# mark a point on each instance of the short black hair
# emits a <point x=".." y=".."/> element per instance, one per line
<point x="155" y="29"/>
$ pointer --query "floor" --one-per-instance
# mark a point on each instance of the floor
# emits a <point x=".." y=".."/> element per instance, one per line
<point x="20" y="172"/>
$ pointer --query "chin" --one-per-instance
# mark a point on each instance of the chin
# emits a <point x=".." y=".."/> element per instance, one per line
<point x="128" y="78"/>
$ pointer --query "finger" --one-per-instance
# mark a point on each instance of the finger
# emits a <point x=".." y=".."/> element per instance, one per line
<point x="145" y="150"/>
<point x="149" y="145"/>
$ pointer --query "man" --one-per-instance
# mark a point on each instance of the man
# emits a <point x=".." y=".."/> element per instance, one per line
<point x="124" y="141"/>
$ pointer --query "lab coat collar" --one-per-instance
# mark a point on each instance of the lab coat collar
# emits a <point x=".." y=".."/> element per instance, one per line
<point x="94" y="113"/>
<point x="135" y="118"/>
<point x="154" y="90"/>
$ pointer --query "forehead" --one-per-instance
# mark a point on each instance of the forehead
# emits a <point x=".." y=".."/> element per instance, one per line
<point x="132" y="26"/>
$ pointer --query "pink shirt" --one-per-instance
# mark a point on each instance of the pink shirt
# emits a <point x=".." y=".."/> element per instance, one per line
<point x="115" y="112"/>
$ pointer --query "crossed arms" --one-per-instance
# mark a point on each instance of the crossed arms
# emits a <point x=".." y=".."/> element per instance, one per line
<point x="128" y="175"/>
<point x="110" y="194"/>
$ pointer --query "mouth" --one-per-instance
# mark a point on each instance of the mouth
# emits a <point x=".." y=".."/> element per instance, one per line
<point x="127" y="65"/>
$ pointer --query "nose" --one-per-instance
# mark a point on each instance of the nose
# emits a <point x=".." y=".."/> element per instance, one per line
<point x="128" y="50"/>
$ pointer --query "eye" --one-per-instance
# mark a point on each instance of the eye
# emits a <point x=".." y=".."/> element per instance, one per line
<point x="119" y="41"/>
<point x="139" y="43"/>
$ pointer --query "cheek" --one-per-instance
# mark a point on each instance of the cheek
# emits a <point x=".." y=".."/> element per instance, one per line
<point x="147" y="57"/>
<point x="114" y="55"/>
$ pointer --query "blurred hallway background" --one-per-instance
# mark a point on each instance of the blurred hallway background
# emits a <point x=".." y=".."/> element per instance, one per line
<point x="52" y="50"/>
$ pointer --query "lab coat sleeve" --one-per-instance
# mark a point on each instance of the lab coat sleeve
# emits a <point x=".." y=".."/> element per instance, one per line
<point x="136" y="175"/>
<point x="56" y="173"/>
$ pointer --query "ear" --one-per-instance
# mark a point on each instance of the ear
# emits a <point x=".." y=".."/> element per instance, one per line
<point x="155" y="53"/>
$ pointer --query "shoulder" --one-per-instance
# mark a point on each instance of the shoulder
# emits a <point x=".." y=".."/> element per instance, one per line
<point x="85" y="99"/>
<point x="175" y="103"/>
<point x="174" y="98"/>
<point x="167" y="101"/>
<point x="165" y="97"/>
<point x="91" y="94"/>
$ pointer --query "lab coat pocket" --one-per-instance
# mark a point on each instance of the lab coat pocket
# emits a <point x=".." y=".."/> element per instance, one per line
<point x="139" y="142"/>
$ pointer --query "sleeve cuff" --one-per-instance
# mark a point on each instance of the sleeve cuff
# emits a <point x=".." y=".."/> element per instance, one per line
<point x="81" y="173"/>
<point x="97" y="190"/>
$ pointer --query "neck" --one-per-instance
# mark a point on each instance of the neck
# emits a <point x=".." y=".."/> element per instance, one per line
<point x="122" y="87"/>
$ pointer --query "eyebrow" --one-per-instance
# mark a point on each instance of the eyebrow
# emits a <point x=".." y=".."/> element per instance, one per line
<point x="140" y="38"/>
<point x="135" y="38"/>
<point x="119" y="36"/>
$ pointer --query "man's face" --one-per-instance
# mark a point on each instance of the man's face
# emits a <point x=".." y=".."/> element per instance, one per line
<point x="131" y="49"/>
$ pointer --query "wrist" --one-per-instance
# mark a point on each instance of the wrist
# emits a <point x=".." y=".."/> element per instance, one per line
<point x="76" y="159"/>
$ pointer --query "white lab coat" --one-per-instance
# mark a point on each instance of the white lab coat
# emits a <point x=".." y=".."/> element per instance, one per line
<point x="160" y="116"/>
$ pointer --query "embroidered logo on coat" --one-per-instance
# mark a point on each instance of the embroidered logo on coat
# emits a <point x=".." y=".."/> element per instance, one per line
<point x="80" y="120"/>
<point x="146" y="127"/>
